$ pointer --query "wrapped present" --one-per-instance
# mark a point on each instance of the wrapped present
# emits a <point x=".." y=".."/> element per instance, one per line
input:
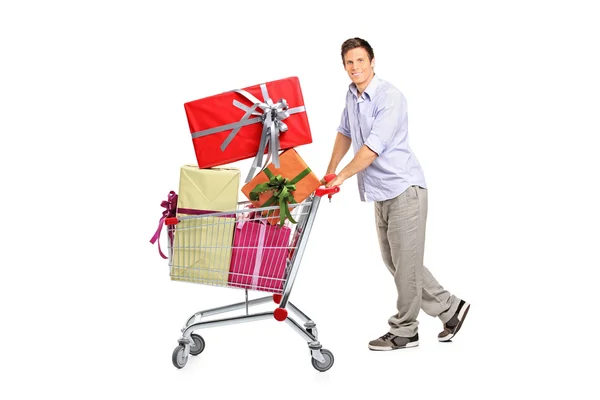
<point x="202" y="246"/>
<point x="210" y="189"/>
<point x="246" y="123"/>
<point x="259" y="257"/>
<point x="292" y="183"/>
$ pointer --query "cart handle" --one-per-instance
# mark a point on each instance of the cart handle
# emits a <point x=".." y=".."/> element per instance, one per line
<point x="322" y="191"/>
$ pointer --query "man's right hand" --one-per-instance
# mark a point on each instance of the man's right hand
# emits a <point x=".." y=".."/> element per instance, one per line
<point x="328" y="178"/>
<point x="337" y="181"/>
<point x="332" y="180"/>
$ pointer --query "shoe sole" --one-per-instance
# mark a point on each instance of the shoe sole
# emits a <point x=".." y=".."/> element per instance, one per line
<point x="377" y="348"/>
<point x="461" y="318"/>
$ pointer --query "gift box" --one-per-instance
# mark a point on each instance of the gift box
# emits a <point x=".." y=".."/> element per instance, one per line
<point x="210" y="189"/>
<point x="260" y="253"/>
<point x="202" y="245"/>
<point x="292" y="183"/>
<point x="246" y="123"/>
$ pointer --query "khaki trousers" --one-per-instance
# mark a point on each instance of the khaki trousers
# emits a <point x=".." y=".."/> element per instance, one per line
<point x="401" y="231"/>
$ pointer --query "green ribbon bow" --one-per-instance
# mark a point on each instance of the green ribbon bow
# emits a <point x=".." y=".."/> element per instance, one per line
<point x="282" y="189"/>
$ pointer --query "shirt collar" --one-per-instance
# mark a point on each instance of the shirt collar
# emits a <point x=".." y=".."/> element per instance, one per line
<point x="370" y="90"/>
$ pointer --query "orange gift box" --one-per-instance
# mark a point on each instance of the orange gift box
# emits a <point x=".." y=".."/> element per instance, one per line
<point x="293" y="173"/>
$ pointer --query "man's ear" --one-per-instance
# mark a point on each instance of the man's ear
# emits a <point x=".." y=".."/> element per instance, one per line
<point x="373" y="63"/>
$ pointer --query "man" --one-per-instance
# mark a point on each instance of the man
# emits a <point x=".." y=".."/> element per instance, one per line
<point x="374" y="122"/>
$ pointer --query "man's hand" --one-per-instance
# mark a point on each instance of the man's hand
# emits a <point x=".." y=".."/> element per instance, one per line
<point x="337" y="181"/>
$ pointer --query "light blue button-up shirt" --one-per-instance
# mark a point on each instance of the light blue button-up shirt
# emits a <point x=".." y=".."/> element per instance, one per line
<point x="378" y="119"/>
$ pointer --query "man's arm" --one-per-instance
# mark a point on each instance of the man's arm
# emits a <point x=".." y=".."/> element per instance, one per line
<point x="340" y="148"/>
<point x="361" y="160"/>
<point x="388" y="119"/>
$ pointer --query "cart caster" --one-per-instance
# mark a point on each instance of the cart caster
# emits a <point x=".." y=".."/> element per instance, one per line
<point x="323" y="366"/>
<point x="179" y="360"/>
<point x="197" y="345"/>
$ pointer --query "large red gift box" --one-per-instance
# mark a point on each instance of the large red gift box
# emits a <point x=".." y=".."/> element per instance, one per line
<point x="234" y="125"/>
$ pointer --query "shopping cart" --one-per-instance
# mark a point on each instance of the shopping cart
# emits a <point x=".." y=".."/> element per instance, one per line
<point x="245" y="249"/>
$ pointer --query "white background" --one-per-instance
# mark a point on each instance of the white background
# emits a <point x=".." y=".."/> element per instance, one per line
<point x="503" y="105"/>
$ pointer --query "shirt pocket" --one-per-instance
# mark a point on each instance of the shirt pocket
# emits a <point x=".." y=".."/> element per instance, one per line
<point x="366" y="124"/>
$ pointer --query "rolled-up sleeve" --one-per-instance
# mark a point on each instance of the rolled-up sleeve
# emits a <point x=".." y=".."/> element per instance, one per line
<point x="344" y="127"/>
<point x="388" y="119"/>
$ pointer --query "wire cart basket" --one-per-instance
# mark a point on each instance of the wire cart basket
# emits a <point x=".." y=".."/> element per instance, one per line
<point x="247" y="249"/>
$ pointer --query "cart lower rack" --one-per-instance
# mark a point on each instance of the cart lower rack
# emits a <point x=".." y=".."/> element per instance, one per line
<point x="245" y="249"/>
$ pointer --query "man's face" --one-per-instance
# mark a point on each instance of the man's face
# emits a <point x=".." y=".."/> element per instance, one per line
<point x="358" y="66"/>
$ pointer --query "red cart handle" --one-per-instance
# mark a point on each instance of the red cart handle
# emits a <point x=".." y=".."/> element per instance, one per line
<point x="322" y="191"/>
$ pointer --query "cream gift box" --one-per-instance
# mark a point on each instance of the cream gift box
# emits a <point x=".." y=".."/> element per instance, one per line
<point x="202" y="244"/>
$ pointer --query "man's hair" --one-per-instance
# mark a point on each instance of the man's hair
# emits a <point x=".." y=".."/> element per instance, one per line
<point x="355" y="43"/>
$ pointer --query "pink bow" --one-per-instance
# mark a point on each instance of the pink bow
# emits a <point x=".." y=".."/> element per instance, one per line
<point x="170" y="206"/>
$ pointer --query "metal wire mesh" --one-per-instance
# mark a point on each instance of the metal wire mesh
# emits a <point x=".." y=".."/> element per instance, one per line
<point x="244" y="248"/>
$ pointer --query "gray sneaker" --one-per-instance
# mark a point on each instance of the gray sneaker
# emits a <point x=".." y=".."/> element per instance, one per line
<point x="452" y="327"/>
<point x="389" y="341"/>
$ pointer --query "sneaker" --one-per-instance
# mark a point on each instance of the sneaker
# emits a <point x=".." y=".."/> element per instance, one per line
<point x="452" y="327"/>
<point x="389" y="341"/>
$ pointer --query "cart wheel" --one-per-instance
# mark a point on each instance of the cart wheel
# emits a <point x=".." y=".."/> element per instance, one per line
<point x="197" y="345"/>
<point x="323" y="366"/>
<point x="178" y="360"/>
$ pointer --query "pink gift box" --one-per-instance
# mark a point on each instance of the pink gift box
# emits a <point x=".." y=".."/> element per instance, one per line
<point x="260" y="252"/>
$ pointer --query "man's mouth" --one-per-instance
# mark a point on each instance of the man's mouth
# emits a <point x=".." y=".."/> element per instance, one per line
<point x="356" y="73"/>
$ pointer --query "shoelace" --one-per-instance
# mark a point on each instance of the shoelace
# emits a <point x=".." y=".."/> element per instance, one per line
<point x="387" y="336"/>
